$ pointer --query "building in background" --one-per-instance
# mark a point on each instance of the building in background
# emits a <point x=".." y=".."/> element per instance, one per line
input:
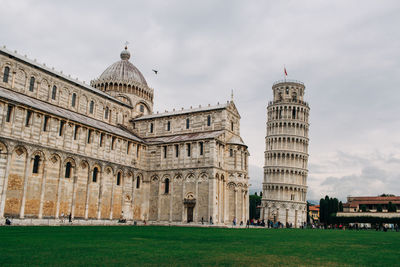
<point x="313" y="212"/>
<point x="98" y="152"/>
<point x="286" y="155"/>
<point x="372" y="204"/>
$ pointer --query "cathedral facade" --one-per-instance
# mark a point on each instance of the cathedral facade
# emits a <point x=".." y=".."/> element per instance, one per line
<point x="98" y="153"/>
<point x="286" y="155"/>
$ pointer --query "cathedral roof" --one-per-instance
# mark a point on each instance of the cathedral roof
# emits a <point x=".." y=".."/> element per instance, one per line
<point x="184" y="137"/>
<point x="183" y="111"/>
<point x="64" y="113"/>
<point x="236" y="140"/>
<point x="123" y="71"/>
<point x="62" y="76"/>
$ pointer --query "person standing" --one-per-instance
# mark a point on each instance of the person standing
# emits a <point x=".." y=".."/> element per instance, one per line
<point x="70" y="218"/>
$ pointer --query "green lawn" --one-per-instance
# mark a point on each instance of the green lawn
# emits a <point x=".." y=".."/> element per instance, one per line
<point x="184" y="246"/>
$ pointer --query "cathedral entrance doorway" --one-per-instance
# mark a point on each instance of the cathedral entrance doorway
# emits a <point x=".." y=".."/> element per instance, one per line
<point x="189" y="214"/>
<point x="189" y="203"/>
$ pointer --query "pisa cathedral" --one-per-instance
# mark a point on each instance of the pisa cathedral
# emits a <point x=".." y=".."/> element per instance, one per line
<point x="98" y="152"/>
<point x="286" y="155"/>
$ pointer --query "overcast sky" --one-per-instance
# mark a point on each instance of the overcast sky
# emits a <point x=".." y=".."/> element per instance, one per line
<point x="346" y="52"/>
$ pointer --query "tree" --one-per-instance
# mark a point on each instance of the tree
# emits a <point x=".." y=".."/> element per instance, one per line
<point x="254" y="201"/>
<point x="392" y="207"/>
<point x="379" y="208"/>
<point x="363" y="208"/>
<point x="340" y="206"/>
<point x="328" y="207"/>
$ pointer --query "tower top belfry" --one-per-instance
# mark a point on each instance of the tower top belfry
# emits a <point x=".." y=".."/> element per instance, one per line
<point x="286" y="155"/>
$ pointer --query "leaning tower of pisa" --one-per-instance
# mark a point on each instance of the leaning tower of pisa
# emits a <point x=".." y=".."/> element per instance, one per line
<point x="286" y="155"/>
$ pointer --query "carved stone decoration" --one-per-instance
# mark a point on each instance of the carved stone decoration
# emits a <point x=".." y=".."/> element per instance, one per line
<point x="19" y="151"/>
<point x="54" y="159"/>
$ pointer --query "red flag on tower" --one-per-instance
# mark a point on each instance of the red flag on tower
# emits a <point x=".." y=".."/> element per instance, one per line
<point x="284" y="69"/>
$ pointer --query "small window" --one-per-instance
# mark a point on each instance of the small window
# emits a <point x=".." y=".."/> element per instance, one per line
<point x="176" y="150"/>
<point x="60" y="132"/>
<point x="232" y="125"/>
<point x="141" y="108"/>
<point x="6" y="74"/>
<point x="209" y="120"/>
<point x="89" y="136"/>
<point x="151" y="127"/>
<point x="68" y="170"/>
<point x="294" y="113"/>
<point x="73" y="102"/>
<point x="76" y="132"/>
<point x="168" y="126"/>
<point x="112" y="142"/>
<point x="95" y="172"/>
<point x="287" y="90"/>
<point x="188" y="149"/>
<point x="187" y="123"/>
<point x="54" y="93"/>
<point x="119" y="178"/>
<point x="165" y="151"/>
<point x="36" y="162"/>
<point x="106" y="113"/>
<point x="32" y="84"/>
<point x="128" y="146"/>
<point x="166" y="191"/>
<point x="201" y="148"/>
<point x="138" y="182"/>
<point x="231" y="152"/>
<point x="101" y="139"/>
<point x="46" y="121"/>
<point x="28" y="118"/>
<point x="9" y="112"/>
<point x="91" y="107"/>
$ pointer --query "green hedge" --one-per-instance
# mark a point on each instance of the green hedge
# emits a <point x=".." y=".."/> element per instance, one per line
<point x="364" y="219"/>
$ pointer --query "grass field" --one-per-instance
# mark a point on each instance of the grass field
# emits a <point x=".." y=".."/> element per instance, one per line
<point x="184" y="246"/>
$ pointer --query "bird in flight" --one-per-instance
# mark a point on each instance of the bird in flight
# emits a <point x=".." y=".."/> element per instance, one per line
<point x="155" y="71"/>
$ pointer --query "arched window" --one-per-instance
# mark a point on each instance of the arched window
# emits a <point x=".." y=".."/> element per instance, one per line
<point x="294" y="113"/>
<point x="68" y="167"/>
<point x="138" y="182"/>
<point x="106" y="113"/>
<point x="54" y="93"/>
<point x="91" y="107"/>
<point x="36" y="162"/>
<point x="6" y="74"/>
<point x="32" y="84"/>
<point x="95" y="172"/>
<point x="187" y="123"/>
<point x="166" y="186"/>
<point x="73" y="100"/>
<point x="119" y="178"/>
<point x="141" y="107"/>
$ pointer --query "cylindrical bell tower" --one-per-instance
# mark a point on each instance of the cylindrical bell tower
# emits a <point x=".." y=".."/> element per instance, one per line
<point x="286" y="155"/>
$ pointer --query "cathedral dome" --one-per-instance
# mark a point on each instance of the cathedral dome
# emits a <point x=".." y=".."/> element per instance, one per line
<point x="123" y="71"/>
